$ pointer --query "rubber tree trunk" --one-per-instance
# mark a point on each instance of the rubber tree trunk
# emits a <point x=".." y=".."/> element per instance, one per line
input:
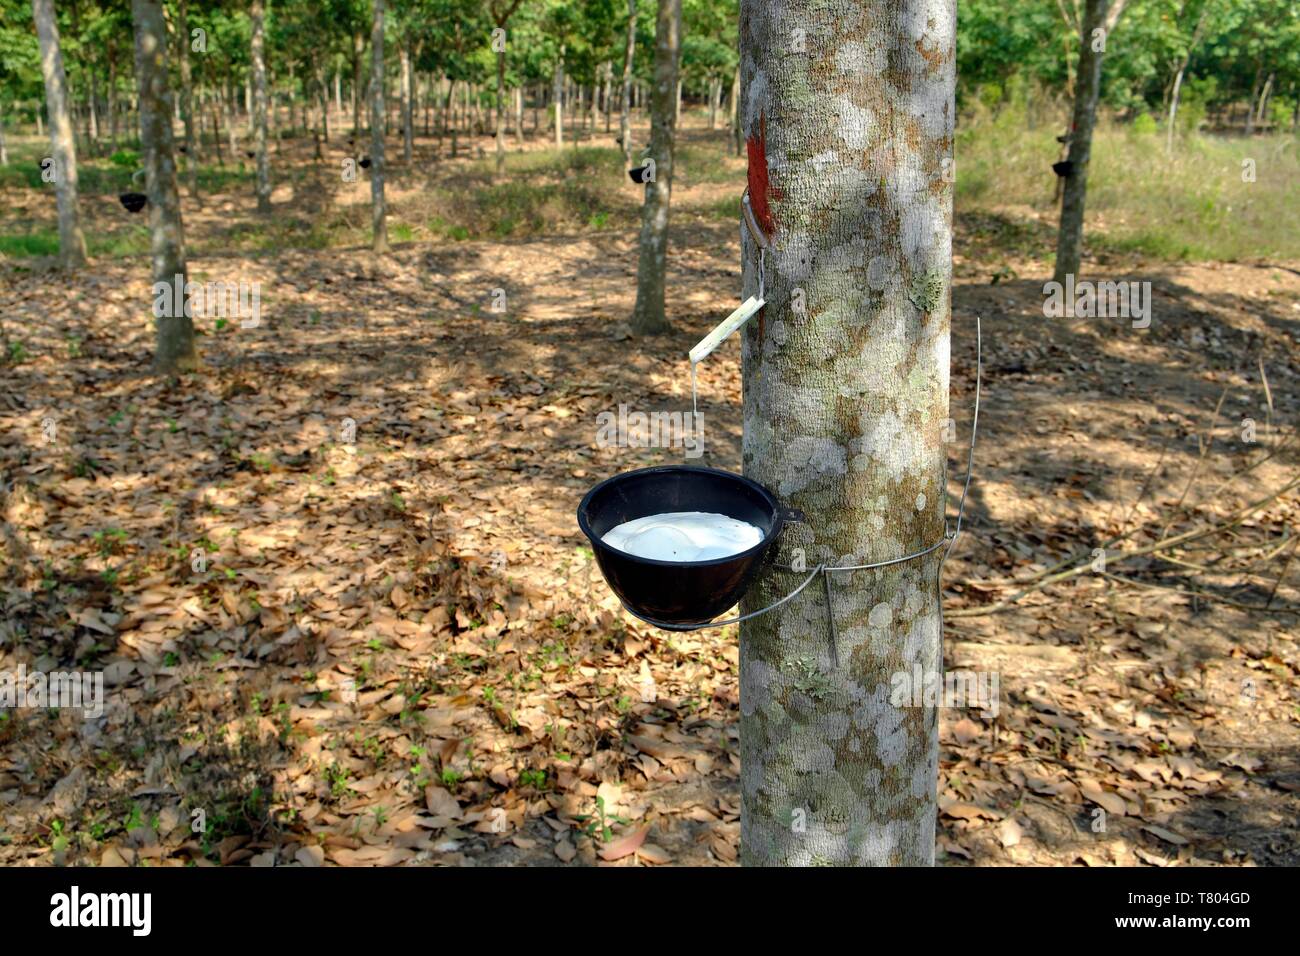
<point x="1069" y="239"/>
<point x="72" y="244"/>
<point x="4" y="148"/>
<point x="257" y="19"/>
<point x="501" y="110"/>
<point x="559" y="98"/>
<point x="624" y="122"/>
<point x="845" y="384"/>
<point x="357" y="46"/>
<point x="1173" y="107"/>
<point x="378" y="218"/>
<point x="648" y="317"/>
<point x="110" y="100"/>
<point x="187" y="97"/>
<point x="736" y="136"/>
<point x="519" y="115"/>
<point x="174" y="350"/>
<point x="408" y="130"/>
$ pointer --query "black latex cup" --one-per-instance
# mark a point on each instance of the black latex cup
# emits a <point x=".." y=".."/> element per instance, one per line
<point x="1063" y="168"/>
<point x="132" y="202"/>
<point x="638" y="173"/>
<point x="674" y="593"/>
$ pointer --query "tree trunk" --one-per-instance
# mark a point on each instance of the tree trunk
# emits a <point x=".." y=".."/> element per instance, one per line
<point x="229" y="103"/>
<point x="501" y="110"/>
<point x="110" y="100"/>
<point x="379" y="221"/>
<point x="1069" y="240"/>
<point x="174" y="351"/>
<point x="408" y="131"/>
<point x="1173" y="107"/>
<point x="92" y="105"/>
<point x="4" y="148"/>
<point x="609" y="92"/>
<point x="648" y="317"/>
<point x="519" y="116"/>
<point x="216" y="128"/>
<point x="845" y="394"/>
<point x="735" y="111"/>
<point x="677" y="109"/>
<point x="338" y="94"/>
<point x="72" y="244"/>
<point x="715" y="92"/>
<point x="357" y="45"/>
<point x="559" y="98"/>
<point x="1260" y="113"/>
<point x="257" y="19"/>
<point x="624" y="122"/>
<point x="187" y="97"/>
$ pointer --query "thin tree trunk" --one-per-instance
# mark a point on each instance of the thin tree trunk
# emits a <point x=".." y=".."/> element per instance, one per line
<point x="559" y="97"/>
<point x="4" y="148"/>
<point x="519" y="116"/>
<point x="187" y="97"/>
<point x="174" y="351"/>
<point x="715" y="93"/>
<point x="92" y="103"/>
<point x="1173" y="107"/>
<point x="501" y="110"/>
<point x="625" y="119"/>
<point x="216" y="128"/>
<point x="648" y="317"/>
<point x="735" y="111"/>
<point x="379" y="223"/>
<point x="228" y="102"/>
<point x="110" y="100"/>
<point x="677" y="109"/>
<point x="357" y="45"/>
<point x="72" y="244"/>
<point x="257" y="19"/>
<point x="1069" y="240"/>
<point x="1260" y="114"/>
<point x="408" y="132"/>
<point x="845" y="385"/>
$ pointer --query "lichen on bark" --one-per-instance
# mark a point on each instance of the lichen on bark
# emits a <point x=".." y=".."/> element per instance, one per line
<point x="845" y="394"/>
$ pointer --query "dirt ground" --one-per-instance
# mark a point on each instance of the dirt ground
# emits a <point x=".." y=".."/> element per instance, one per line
<point x="399" y="651"/>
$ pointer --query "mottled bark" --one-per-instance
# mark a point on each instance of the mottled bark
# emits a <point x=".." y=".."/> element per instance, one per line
<point x="257" y="18"/>
<point x="4" y="147"/>
<point x="519" y="115"/>
<point x="1069" y="239"/>
<point x="72" y="244"/>
<point x="378" y="216"/>
<point x="624" y="122"/>
<point x="174" y="349"/>
<point x="648" y="316"/>
<point x="845" y="394"/>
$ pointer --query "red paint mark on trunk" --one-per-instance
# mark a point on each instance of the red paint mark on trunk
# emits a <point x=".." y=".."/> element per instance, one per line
<point x="760" y="189"/>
